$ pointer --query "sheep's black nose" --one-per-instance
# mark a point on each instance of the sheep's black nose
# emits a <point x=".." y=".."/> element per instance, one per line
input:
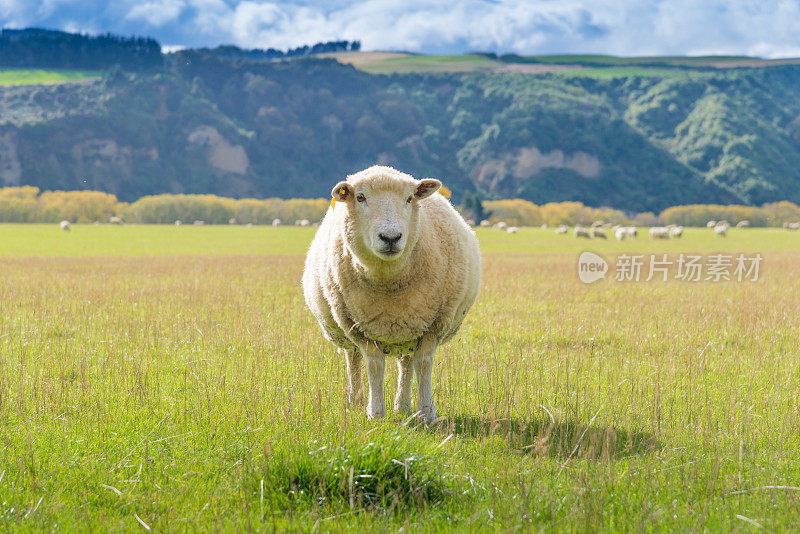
<point x="390" y="239"/>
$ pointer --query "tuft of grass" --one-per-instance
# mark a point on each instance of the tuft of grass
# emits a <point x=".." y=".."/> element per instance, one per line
<point x="392" y="472"/>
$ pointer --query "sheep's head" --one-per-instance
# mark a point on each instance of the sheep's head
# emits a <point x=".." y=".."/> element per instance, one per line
<point x="382" y="211"/>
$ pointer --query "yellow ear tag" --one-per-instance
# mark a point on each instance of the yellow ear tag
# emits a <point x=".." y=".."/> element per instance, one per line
<point x="333" y="203"/>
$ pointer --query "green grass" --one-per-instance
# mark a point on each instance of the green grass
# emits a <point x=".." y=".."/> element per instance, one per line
<point x="430" y="64"/>
<point x="42" y="76"/>
<point x="174" y="375"/>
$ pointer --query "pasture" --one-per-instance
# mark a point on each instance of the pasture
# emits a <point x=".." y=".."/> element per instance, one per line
<point x="170" y="378"/>
<point x="43" y="76"/>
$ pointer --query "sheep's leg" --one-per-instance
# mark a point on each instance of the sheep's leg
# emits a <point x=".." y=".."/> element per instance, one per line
<point x="376" y="362"/>
<point x="423" y="365"/>
<point x="355" y="395"/>
<point x="405" y="374"/>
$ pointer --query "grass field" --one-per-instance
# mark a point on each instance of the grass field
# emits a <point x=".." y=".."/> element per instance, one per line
<point x="41" y="76"/>
<point x="172" y="377"/>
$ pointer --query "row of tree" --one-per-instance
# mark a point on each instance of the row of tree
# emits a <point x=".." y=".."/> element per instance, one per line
<point x="328" y="47"/>
<point x="28" y="205"/>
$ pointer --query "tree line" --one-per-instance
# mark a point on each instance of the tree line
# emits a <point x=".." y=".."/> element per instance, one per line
<point x="28" y="204"/>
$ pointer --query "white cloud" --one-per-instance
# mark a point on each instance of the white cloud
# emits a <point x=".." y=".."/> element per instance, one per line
<point x="156" y="13"/>
<point x="767" y="28"/>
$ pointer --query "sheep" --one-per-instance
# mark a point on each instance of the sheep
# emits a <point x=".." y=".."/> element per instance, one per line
<point x="116" y="220"/>
<point x="676" y="231"/>
<point x="631" y="231"/>
<point x="199" y="223"/>
<point x="711" y="224"/>
<point x="580" y="231"/>
<point x="620" y="234"/>
<point x="178" y="222"/>
<point x="501" y="225"/>
<point x="791" y="225"/>
<point x="544" y="226"/>
<point x="232" y="220"/>
<point x="485" y="223"/>
<point x="512" y="230"/>
<point x="276" y="223"/>
<point x="721" y="230"/>
<point x="248" y="225"/>
<point x="743" y="224"/>
<point x="302" y="222"/>
<point x="562" y="229"/>
<point x="598" y="233"/>
<point x="65" y="225"/>
<point x="393" y="269"/>
<point x="659" y="232"/>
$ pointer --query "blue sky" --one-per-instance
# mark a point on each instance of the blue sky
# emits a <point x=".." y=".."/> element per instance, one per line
<point x="766" y="28"/>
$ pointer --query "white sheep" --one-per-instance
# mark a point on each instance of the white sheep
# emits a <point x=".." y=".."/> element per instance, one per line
<point x="178" y="222"/>
<point x="711" y="224"/>
<point x="501" y="225"/>
<point x="743" y="224"/>
<point x="116" y="220"/>
<point x="199" y="223"/>
<point x="562" y="229"/>
<point x="620" y="233"/>
<point x="276" y="223"/>
<point x="485" y="223"/>
<point x="580" y="231"/>
<point x="676" y="231"/>
<point x="791" y="225"/>
<point x="598" y="233"/>
<point x="393" y="269"/>
<point x="302" y="222"/>
<point x="232" y="220"/>
<point x="65" y="225"/>
<point x="659" y="232"/>
<point x="631" y="231"/>
<point x="512" y="230"/>
<point x="721" y="229"/>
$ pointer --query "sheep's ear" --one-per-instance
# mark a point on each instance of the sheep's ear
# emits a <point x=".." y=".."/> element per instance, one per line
<point x="426" y="188"/>
<point x="342" y="191"/>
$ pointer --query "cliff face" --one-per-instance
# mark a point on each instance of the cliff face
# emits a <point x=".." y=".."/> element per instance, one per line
<point x="203" y="124"/>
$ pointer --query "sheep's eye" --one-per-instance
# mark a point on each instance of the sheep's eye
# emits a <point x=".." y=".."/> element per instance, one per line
<point x="408" y="201"/>
<point x="360" y="197"/>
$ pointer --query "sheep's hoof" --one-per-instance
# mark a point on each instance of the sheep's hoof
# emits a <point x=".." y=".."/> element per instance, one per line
<point x="428" y="413"/>
<point x="376" y="413"/>
<point x="355" y="399"/>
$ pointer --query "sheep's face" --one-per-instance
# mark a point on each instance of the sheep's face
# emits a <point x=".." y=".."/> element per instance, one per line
<point x="382" y="214"/>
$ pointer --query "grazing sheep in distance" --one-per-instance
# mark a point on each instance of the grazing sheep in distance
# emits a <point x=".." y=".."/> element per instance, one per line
<point x="393" y="269"/>
<point x="65" y="225"/>
<point x="791" y="225"/>
<point x="302" y="222"/>
<point x="231" y="221"/>
<point x="485" y="223"/>
<point x="598" y="233"/>
<point x="711" y="224"/>
<point x="562" y="229"/>
<point x="501" y="225"/>
<point x="116" y="220"/>
<point x="620" y="234"/>
<point x="199" y="223"/>
<point x="721" y="229"/>
<point x="276" y="222"/>
<point x="512" y="230"/>
<point x="178" y="222"/>
<point x="631" y="231"/>
<point x="743" y="224"/>
<point x="659" y="232"/>
<point x="676" y="231"/>
<point x="580" y="231"/>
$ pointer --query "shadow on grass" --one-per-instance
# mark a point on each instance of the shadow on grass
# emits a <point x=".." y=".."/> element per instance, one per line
<point x="559" y="439"/>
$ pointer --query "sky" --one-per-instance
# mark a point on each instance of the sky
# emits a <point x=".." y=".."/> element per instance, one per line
<point x="764" y="28"/>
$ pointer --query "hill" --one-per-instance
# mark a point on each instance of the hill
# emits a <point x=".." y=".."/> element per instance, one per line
<point x="637" y="136"/>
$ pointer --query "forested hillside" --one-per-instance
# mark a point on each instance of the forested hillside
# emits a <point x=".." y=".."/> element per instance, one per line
<point x="206" y="122"/>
